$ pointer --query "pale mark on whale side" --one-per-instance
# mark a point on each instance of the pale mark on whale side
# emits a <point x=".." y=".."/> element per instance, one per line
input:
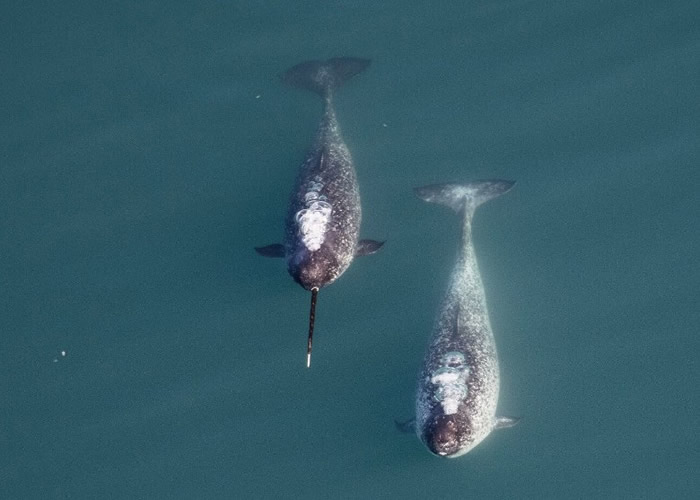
<point x="451" y="380"/>
<point x="313" y="220"/>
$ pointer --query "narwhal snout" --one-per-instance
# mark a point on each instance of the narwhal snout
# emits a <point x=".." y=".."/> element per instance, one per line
<point x="312" y="270"/>
<point x="442" y="436"/>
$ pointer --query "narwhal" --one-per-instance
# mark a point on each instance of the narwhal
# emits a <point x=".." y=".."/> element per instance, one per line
<point x="323" y="216"/>
<point x="458" y="382"/>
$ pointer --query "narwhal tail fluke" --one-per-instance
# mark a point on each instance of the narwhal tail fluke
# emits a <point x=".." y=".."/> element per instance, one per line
<point x="464" y="197"/>
<point x="312" y="319"/>
<point x="324" y="76"/>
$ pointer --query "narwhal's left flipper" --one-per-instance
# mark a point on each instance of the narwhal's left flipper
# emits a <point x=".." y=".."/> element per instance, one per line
<point x="368" y="247"/>
<point x="505" y="422"/>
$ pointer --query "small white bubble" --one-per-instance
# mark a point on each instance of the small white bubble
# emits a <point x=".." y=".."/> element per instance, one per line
<point x="384" y="125"/>
<point x="257" y="96"/>
<point x="300" y="215"/>
<point x="63" y="353"/>
<point x="445" y="375"/>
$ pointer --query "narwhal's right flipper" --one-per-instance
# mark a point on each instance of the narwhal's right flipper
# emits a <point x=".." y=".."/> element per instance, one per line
<point x="275" y="250"/>
<point x="407" y="426"/>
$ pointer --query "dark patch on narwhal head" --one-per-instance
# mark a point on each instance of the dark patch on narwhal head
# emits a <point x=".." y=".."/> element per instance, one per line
<point x="313" y="269"/>
<point x="446" y="435"/>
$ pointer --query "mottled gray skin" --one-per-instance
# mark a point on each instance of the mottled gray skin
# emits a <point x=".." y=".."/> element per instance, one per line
<point x="323" y="215"/>
<point x="328" y="163"/>
<point x="453" y="417"/>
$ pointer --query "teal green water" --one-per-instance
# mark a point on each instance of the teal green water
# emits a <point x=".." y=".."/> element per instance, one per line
<point x="148" y="146"/>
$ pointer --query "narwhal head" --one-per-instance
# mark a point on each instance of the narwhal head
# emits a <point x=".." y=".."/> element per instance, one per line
<point x="313" y="269"/>
<point x="448" y="435"/>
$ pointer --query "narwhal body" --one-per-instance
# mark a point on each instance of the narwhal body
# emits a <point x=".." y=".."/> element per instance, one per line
<point x="458" y="382"/>
<point x="322" y="224"/>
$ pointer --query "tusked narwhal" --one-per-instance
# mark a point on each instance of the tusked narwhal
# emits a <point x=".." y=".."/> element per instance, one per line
<point x="322" y="225"/>
<point x="458" y="383"/>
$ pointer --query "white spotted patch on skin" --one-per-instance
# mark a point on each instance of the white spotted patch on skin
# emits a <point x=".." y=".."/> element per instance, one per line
<point x="313" y="220"/>
<point x="451" y="381"/>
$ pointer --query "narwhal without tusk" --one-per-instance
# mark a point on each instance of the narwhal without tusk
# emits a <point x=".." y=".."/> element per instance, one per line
<point x="322" y="225"/>
<point x="458" y="383"/>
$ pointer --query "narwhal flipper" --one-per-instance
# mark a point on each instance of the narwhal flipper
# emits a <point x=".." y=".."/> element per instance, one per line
<point x="274" y="250"/>
<point x="368" y="247"/>
<point x="505" y="422"/>
<point x="407" y="426"/>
